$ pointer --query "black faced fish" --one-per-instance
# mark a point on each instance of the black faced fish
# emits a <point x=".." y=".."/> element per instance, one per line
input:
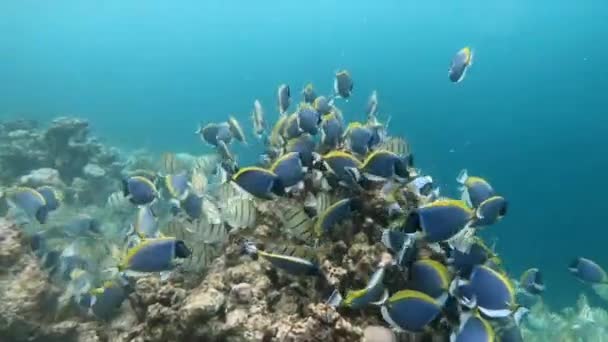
<point x="532" y="281"/>
<point x="474" y="189"/>
<point x="383" y="165"/>
<point x="340" y="164"/>
<point x="257" y="117"/>
<point x="192" y="205"/>
<point x="308" y="119"/>
<point x="52" y="197"/>
<point x="588" y="271"/>
<point x="493" y="291"/>
<point x="460" y="63"/>
<point x="400" y="243"/>
<point x="290" y="264"/>
<point x="30" y="201"/>
<point x="373" y="293"/>
<point x="146" y="223"/>
<point x="478" y="254"/>
<point x="440" y="220"/>
<point x="371" y="110"/>
<point x="308" y="94"/>
<point x="305" y="146"/>
<point x="290" y="171"/>
<point x="139" y="190"/>
<point x="322" y="105"/>
<point x="155" y="255"/>
<point x="214" y="132"/>
<point x="473" y="328"/>
<point x="358" y="138"/>
<point x="283" y="98"/>
<point x="430" y="277"/>
<point x="343" y="84"/>
<point x="258" y="182"/>
<point x="335" y="214"/>
<point x="490" y="211"/>
<point x="331" y="131"/>
<point x="236" y="130"/>
<point x="409" y="310"/>
<point x="177" y="185"/>
<point x="105" y="301"/>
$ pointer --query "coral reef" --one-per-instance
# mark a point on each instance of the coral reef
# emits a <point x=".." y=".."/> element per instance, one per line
<point x="62" y="153"/>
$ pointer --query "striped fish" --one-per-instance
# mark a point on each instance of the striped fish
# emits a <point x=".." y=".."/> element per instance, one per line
<point x="170" y="164"/>
<point x="226" y="191"/>
<point x="203" y="251"/>
<point x="240" y="213"/>
<point x="296" y="223"/>
<point x="118" y="202"/>
<point x="207" y="163"/>
<point x="198" y="181"/>
<point x="397" y="145"/>
<point x="211" y="212"/>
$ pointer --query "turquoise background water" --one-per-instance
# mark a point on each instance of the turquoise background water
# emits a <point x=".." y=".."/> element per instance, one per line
<point x="530" y="116"/>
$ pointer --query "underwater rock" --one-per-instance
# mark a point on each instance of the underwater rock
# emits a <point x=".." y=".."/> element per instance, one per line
<point x="93" y="171"/>
<point x="203" y="304"/>
<point x="25" y="294"/>
<point x="43" y="176"/>
<point x="10" y="245"/>
<point x="377" y="333"/>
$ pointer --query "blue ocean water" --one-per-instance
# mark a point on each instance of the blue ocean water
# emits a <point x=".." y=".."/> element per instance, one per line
<point x="530" y="116"/>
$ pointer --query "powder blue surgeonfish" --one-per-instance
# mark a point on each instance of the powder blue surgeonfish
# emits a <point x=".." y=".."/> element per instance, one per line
<point x="588" y="271"/>
<point x="532" y="281"/>
<point x="283" y="98"/>
<point x="178" y="185"/>
<point x="155" y="255"/>
<point x="106" y="300"/>
<point x="215" y="132"/>
<point x="291" y="129"/>
<point x="473" y="328"/>
<point x="358" y="138"/>
<point x="460" y="63"/>
<point x="409" y="310"/>
<point x="335" y="214"/>
<point x="52" y="197"/>
<point x="290" y="171"/>
<point x="146" y="223"/>
<point x="290" y="264"/>
<point x="331" y="131"/>
<point x="139" y="190"/>
<point x="374" y="293"/>
<point x="308" y="119"/>
<point x="322" y="105"/>
<point x="490" y="211"/>
<point x="440" y="220"/>
<point x="474" y="189"/>
<point x="343" y="84"/>
<point x="308" y="93"/>
<point x="430" y="277"/>
<point x="383" y="165"/>
<point x="259" y="182"/>
<point x="339" y="163"/>
<point x="493" y="291"/>
<point x="305" y="145"/>
<point x="31" y="202"/>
